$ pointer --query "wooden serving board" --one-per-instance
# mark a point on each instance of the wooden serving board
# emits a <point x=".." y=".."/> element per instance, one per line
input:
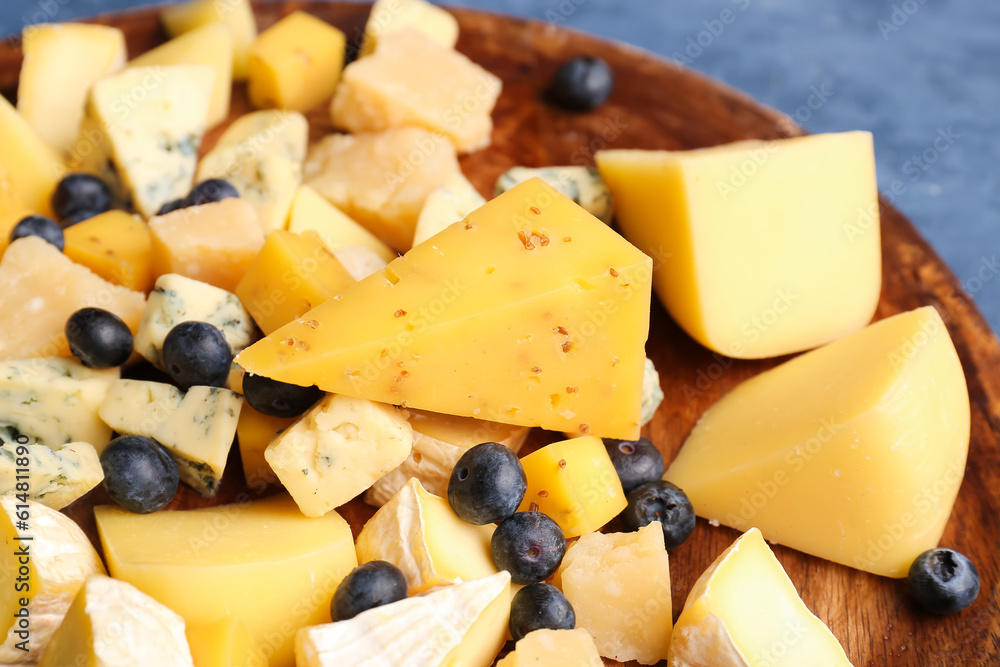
<point x="657" y="105"/>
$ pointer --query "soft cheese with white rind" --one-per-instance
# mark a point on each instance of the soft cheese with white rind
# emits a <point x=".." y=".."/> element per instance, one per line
<point x="56" y="477"/>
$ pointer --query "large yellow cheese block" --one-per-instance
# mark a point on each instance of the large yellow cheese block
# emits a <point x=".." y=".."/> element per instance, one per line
<point x="224" y="643"/>
<point x="116" y="246"/>
<point x="260" y="562"/>
<point x="411" y="80"/>
<point x="853" y="452"/>
<point x="744" y="611"/>
<point x="296" y="63"/>
<point x="388" y="16"/>
<point x="12" y="207"/>
<point x="211" y="44"/>
<point x="445" y="206"/>
<point x="33" y="167"/>
<point x="311" y="212"/>
<point x="761" y="248"/>
<point x="236" y="14"/>
<point x="463" y="625"/>
<point x="574" y="648"/>
<point x="113" y="624"/>
<point x="420" y="534"/>
<point x="41" y="289"/>
<point x="61" y="558"/>
<point x="619" y="586"/>
<point x="254" y="432"/>
<point x="382" y="179"/>
<point x="531" y="312"/>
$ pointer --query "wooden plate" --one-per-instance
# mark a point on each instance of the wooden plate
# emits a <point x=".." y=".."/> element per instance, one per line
<point x="657" y="105"/>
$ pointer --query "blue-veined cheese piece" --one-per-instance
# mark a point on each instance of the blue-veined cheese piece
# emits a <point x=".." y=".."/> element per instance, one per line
<point x="652" y="393"/>
<point x="55" y="477"/>
<point x="583" y="185"/>
<point x="139" y="407"/>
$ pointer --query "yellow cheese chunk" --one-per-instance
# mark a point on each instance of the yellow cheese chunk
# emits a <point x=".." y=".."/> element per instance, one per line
<point x="411" y="80"/>
<point x="761" y="248"/>
<point x="296" y="63"/>
<point x="116" y="246"/>
<point x="214" y="243"/>
<point x="420" y="534"/>
<point x="61" y="558"/>
<point x="42" y="288"/>
<point x="574" y="648"/>
<point x="310" y="212"/>
<point x="446" y="206"/>
<point x="236" y="14"/>
<point x="212" y="45"/>
<point x="619" y="586"/>
<point x="61" y="61"/>
<point x="382" y="179"/>
<point x="575" y="483"/>
<point x="389" y="16"/>
<point x="33" y="167"/>
<point x="291" y="275"/>
<point x="12" y="208"/>
<point x="254" y="432"/>
<point x="531" y="312"/>
<point x="260" y="562"/>
<point x="744" y="611"/>
<point x="224" y="643"/>
<point x="853" y="452"/>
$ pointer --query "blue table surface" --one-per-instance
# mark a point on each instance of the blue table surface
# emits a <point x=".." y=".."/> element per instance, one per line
<point x="922" y="75"/>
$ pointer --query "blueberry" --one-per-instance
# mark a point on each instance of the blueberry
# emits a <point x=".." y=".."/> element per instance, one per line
<point x="139" y="475"/>
<point x="367" y="586"/>
<point x="540" y="607"/>
<point x="171" y="206"/>
<point x="79" y="216"/>
<point x="529" y="545"/>
<point x="278" y="399"/>
<point x="196" y="353"/>
<point x="42" y="227"/>
<point x="582" y="84"/>
<point x="636" y="462"/>
<point x="943" y="581"/>
<point x="212" y="190"/>
<point x="80" y="192"/>
<point x="487" y="484"/>
<point x="99" y="339"/>
<point x="660" y="501"/>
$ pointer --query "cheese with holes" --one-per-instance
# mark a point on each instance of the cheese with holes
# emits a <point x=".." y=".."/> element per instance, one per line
<point x="531" y="312"/>
<point x="224" y="643"/>
<point x="853" y="452"/>
<point x="260" y="562"/>
<point x="583" y="185"/>
<point x="389" y="16"/>
<point x="554" y="647"/>
<point x="61" y="62"/>
<point x="112" y="624"/>
<point x="445" y="206"/>
<point x="116" y="246"/>
<point x="420" y="534"/>
<point x="337" y="450"/>
<point x="744" y="610"/>
<point x="55" y="477"/>
<point x="762" y="248"/>
<point x="254" y="432"/>
<point x="310" y="212"/>
<point x="464" y="624"/>
<point x="382" y="179"/>
<point x="61" y="559"/>
<point x="237" y="15"/>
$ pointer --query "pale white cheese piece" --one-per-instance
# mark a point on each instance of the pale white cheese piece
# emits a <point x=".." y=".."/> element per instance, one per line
<point x="359" y="261"/>
<point x="583" y="185"/>
<point x="445" y="206"/>
<point x="55" y="477"/>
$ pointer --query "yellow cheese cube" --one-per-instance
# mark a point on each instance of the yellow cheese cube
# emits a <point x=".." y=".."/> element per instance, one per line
<point x="382" y="179"/>
<point x="254" y="432"/>
<point x="296" y="63"/>
<point x="853" y="452"/>
<point x="33" y="167"/>
<point x="445" y="206"/>
<point x="116" y="246"/>
<point x="619" y="586"/>
<point x="744" y="610"/>
<point x="214" y="243"/>
<point x="61" y="61"/>
<point x="291" y="275"/>
<point x="236" y="14"/>
<point x="212" y="45"/>
<point x="575" y="483"/>
<point x="420" y="534"/>
<point x="762" y="248"/>
<point x="554" y="647"/>
<point x="12" y="208"/>
<point x="531" y="312"/>
<point x="310" y="212"/>
<point x="260" y="562"/>
<point x="224" y="643"/>
<point x="42" y="288"/>
<point x="389" y="16"/>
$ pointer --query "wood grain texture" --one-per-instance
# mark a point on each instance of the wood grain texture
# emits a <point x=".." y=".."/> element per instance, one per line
<point x="658" y="105"/>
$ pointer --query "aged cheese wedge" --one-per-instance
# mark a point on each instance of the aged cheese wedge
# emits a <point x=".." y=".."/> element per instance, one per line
<point x="260" y="562"/>
<point x="254" y="432"/>
<point x="574" y="648"/>
<point x="583" y="185"/>
<point x="12" y="207"/>
<point x="34" y="167"/>
<point x="115" y="246"/>
<point x="237" y="15"/>
<point x="388" y="16"/>
<point x="464" y="624"/>
<point x="224" y="643"/>
<point x="853" y="452"/>
<point x="310" y="212"/>
<point x="61" y="61"/>
<point x="419" y="533"/>
<point x="113" y="624"/>
<point x="61" y="558"/>
<point x="55" y="477"/>
<point x="445" y="206"/>
<point x="337" y="450"/>
<point x="744" y="611"/>
<point x="531" y="312"/>
<point x="762" y="248"/>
